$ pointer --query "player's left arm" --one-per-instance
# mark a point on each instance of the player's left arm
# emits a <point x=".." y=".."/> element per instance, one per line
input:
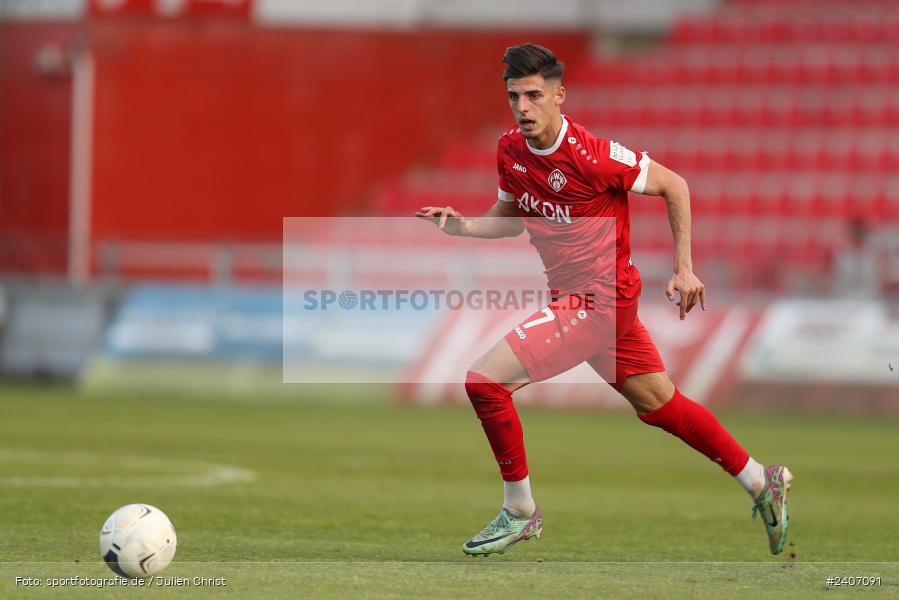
<point x="661" y="181"/>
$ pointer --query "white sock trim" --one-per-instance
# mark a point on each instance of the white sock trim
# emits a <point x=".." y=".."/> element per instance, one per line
<point x="517" y="497"/>
<point x="752" y="478"/>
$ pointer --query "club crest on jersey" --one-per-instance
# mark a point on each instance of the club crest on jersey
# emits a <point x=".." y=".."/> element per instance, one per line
<point x="557" y="180"/>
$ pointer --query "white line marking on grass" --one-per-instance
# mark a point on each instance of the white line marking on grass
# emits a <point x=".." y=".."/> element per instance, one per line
<point x="186" y="473"/>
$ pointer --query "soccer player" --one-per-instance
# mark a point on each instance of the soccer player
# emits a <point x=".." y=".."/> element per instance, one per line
<point x="561" y="183"/>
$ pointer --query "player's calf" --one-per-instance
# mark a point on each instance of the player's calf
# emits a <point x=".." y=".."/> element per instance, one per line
<point x="494" y="407"/>
<point x="698" y="428"/>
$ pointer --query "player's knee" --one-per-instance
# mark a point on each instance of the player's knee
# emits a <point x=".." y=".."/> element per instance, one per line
<point x="471" y="384"/>
<point x="486" y="396"/>
<point x="648" y="402"/>
<point x="647" y="393"/>
<point x="479" y="387"/>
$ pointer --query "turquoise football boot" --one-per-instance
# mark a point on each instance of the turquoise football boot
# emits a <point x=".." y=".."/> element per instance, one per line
<point x="772" y="505"/>
<point x="502" y="532"/>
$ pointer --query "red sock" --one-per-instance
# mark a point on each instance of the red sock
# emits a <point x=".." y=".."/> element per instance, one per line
<point x="493" y="405"/>
<point x="698" y="427"/>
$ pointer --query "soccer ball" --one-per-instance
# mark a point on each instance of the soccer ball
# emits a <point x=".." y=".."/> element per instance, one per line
<point x="137" y="540"/>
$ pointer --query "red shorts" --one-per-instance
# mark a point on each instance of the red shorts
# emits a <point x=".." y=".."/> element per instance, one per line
<point x="563" y="335"/>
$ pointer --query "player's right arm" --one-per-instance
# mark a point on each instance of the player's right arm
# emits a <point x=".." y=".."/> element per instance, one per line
<point x="500" y="221"/>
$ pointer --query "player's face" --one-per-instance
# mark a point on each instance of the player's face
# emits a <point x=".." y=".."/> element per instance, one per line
<point x="536" y="104"/>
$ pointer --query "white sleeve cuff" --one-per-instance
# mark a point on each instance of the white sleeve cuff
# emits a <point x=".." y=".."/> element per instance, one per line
<point x="504" y="196"/>
<point x="640" y="182"/>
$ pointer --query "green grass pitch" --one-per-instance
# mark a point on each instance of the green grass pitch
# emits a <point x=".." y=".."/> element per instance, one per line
<point x="371" y="501"/>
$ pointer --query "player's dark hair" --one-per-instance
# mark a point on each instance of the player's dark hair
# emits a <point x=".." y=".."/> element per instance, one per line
<point x="531" y="59"/>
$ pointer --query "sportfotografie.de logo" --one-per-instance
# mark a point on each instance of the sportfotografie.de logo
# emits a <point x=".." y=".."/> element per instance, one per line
<point x="417" y="299"/>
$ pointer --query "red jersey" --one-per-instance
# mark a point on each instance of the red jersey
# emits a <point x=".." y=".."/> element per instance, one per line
<point x="563" y="192"/>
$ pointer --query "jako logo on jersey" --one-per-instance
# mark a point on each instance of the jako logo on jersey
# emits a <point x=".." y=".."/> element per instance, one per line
<point x="518" y="167"/>
<point x="557" y="179"/>
<point x="550" y="211"/>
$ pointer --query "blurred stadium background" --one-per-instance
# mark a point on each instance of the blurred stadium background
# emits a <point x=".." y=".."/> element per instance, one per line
<point x="151" y="148"/>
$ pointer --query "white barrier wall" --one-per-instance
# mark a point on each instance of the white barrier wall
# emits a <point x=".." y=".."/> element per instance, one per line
<point x="647" y="15"/>
<point x="608" y="15"/>
<point x="36" y="10"/>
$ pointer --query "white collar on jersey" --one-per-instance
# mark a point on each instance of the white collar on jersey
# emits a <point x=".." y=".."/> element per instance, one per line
<point x="556" y="145"/>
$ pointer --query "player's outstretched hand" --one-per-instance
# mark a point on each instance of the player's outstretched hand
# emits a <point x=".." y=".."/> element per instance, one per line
<point x="691" y="291"/>
<point x="447" y="218"/>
